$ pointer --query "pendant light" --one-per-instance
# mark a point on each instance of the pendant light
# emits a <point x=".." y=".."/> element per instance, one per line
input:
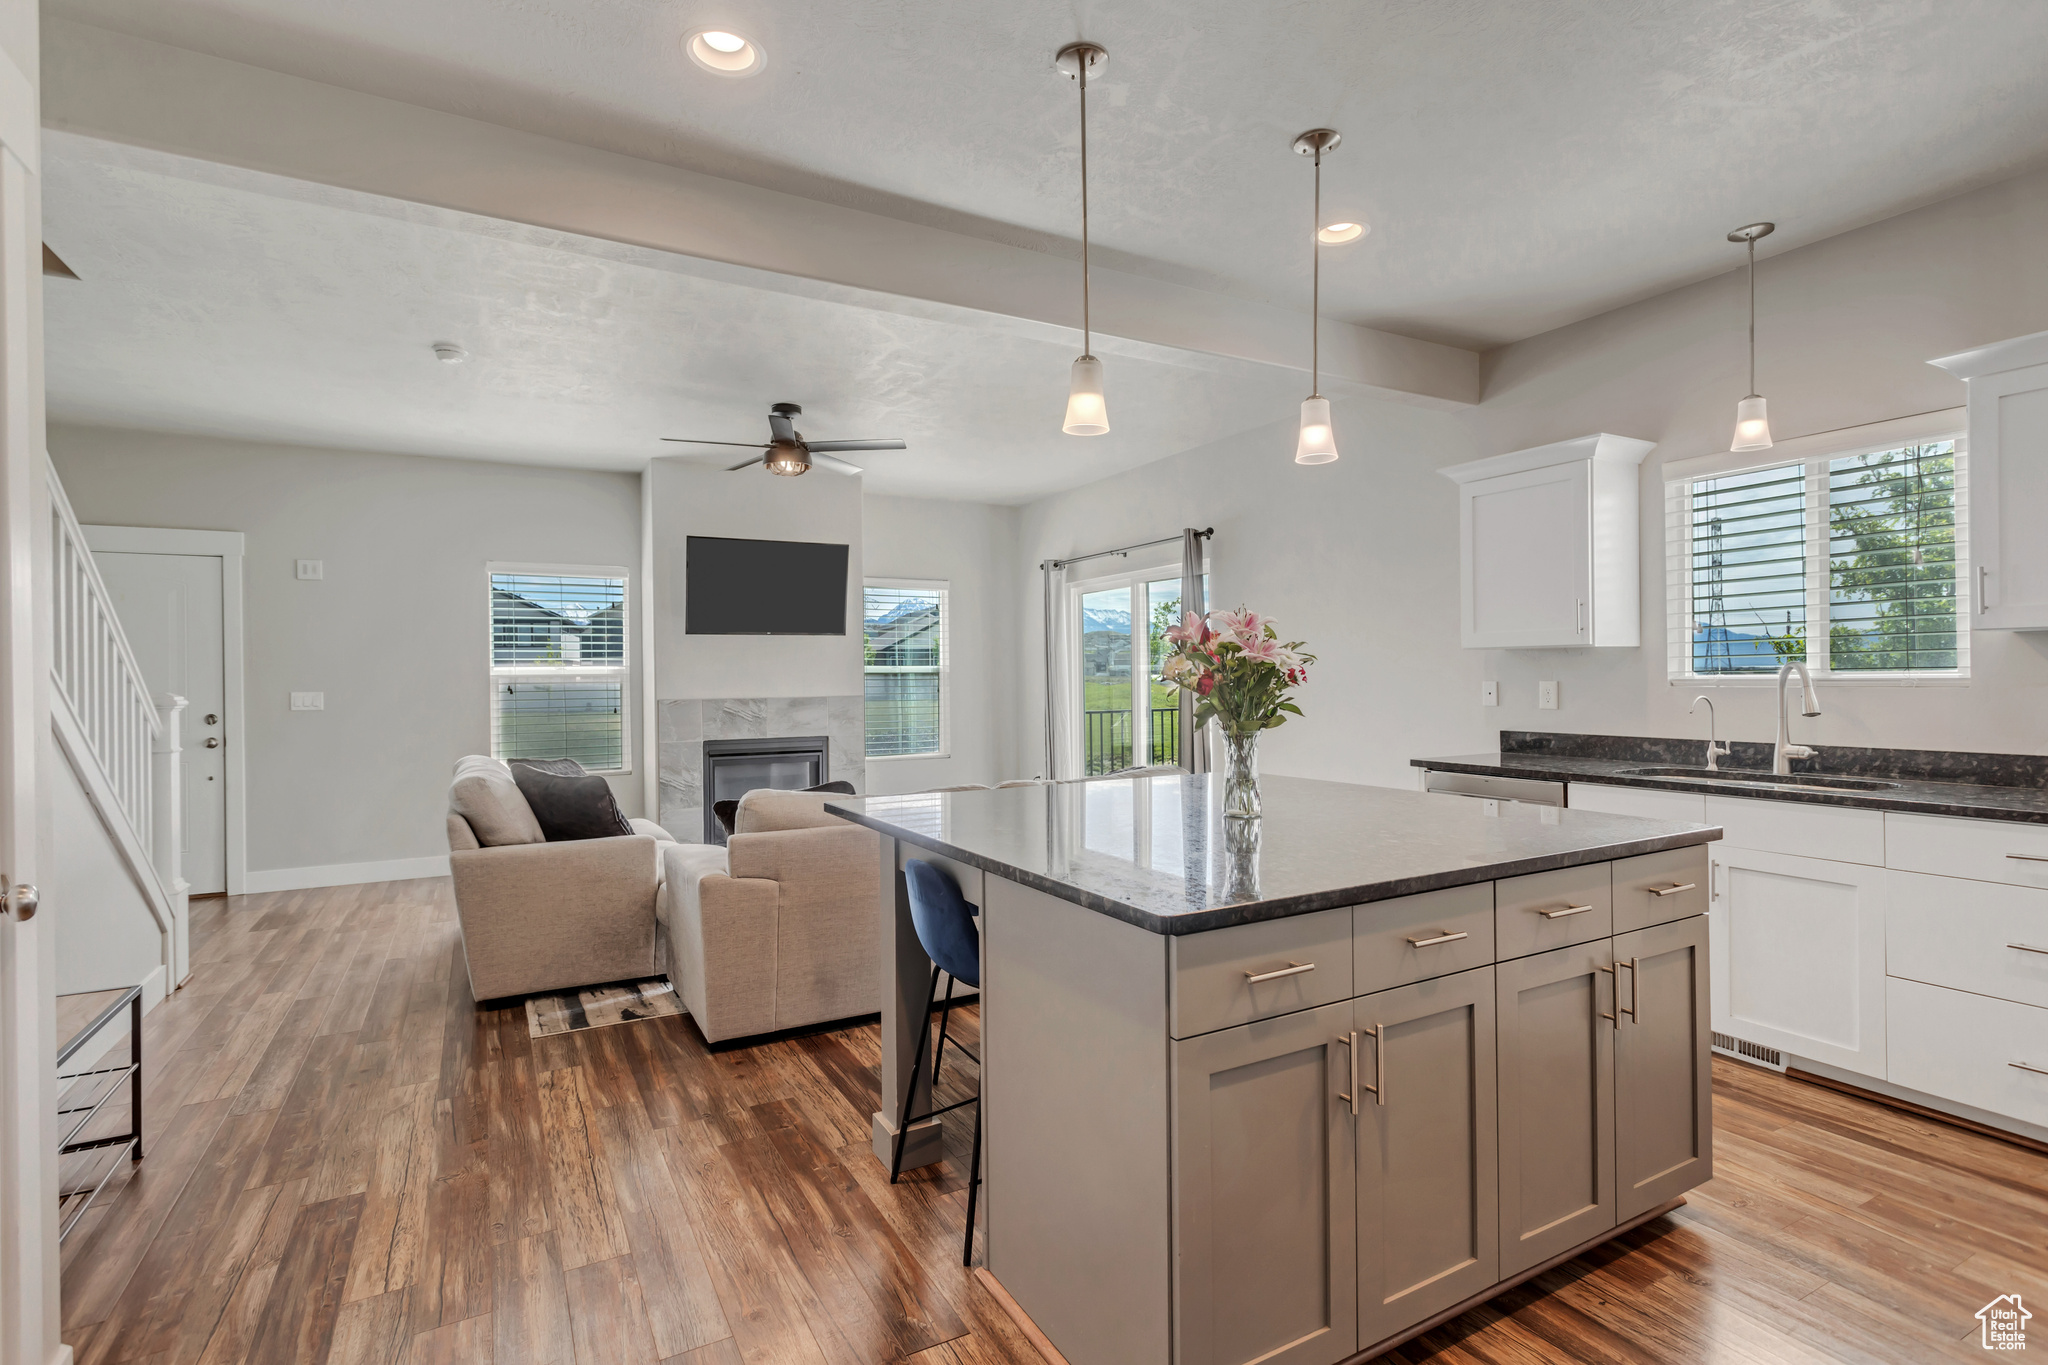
<point x="1317" y="443"/>
<point x="1752" y="421"/>
<point x="1087" y="414"/>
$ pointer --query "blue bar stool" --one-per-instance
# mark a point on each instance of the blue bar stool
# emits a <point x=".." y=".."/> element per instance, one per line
<point x="945" y="926"/>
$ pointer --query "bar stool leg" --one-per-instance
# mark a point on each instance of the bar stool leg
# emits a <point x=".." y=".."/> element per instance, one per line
<point x="939" y="1053"/>
<point x="973" y="1187"/>
<point x="924" y="1039"/>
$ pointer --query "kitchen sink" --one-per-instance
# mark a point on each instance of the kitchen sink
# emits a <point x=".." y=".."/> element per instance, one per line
<point x="1808" y="781"/>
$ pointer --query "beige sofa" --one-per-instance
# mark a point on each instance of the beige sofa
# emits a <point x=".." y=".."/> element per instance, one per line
<point x="539" y="916"/>
<point x="777" y="929"/>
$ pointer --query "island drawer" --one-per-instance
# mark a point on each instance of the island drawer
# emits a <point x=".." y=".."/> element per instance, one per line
<point x="1546" y="910"/>
<point x="1657" y="888"/>
<point x="1255" y="971"/>
<point x="1417" y="937"/>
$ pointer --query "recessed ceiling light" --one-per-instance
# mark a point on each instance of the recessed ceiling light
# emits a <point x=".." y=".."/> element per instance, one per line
<point x="1338" y="233"/>
<point x="725" y="53"/>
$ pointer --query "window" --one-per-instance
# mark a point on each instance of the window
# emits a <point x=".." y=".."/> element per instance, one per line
<point x="1123" y="622"/>
<point x="558" y="664"/>
<point x="1851" y="562"/>
<point x="907" y="659"/>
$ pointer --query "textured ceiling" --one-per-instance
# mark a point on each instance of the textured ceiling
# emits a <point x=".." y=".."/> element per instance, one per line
<point x="230" y="303"/>
<point x="1523" y="165"/>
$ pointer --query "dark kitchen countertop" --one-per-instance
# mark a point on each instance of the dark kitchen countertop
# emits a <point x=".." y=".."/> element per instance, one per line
<point x="1155" y="851"/>
<point x="1966" y="785"/>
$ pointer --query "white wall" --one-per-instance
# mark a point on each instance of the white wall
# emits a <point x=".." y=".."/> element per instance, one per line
<point x="396" y="634"/>
<point x="1844" y="330"/>
<point x="106" y="935"/>
<point x="973" y="548"/>
<point x="1351" y="557"/>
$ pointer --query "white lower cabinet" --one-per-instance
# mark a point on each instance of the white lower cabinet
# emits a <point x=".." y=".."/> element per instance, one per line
<point x="1972" y="1049"/>
<point x="1971" y="936"/>
<point x="1798" y="955"/>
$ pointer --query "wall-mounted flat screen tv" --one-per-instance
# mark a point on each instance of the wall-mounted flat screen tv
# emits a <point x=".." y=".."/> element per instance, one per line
<point x="764" y="587"/>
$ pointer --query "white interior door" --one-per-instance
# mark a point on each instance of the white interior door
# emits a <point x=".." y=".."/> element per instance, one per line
<point x="170" y="608"/>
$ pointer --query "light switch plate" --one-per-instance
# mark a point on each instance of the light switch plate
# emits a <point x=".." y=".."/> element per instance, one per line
<point x="1546" y="696"/>
<point x="1489" y="694"/>
<point x="312" y="568"/>
<point x="309" y="701"/>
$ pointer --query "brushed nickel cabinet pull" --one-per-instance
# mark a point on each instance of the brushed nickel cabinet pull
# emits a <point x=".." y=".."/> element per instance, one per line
<point x="1567" y="910"/>
<point x="1441" y="937"/>
<point x="1634" y="983"/>
<point x="2037" y="1070"/>
<point x="1291" y="969"/>
<point x="1674" y="890"/>
<point x="2028" y="948"/>
<point x="1350" y="1041"/>
<point x="1378" y="1088"/>
<point x="2028" y="857"/>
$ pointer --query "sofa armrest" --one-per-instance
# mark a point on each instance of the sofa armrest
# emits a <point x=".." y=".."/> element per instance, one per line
<point x="541" y="917"/>
<point x="721" y="941"/>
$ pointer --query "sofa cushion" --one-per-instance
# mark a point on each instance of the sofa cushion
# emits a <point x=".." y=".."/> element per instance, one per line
<point x="567" y="808"/>
<point x="484" y="794"/>
<point x="661" y="836"/>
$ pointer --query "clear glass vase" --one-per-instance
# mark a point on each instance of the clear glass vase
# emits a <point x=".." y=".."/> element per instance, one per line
<point x="1241" y="776"/>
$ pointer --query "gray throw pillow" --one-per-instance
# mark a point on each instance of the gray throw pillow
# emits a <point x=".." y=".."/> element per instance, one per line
<point x="569" y="805"/>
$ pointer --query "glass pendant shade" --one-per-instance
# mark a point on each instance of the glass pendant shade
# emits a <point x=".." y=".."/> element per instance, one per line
<point x="788" y="459"/>
<point x="1318" y="443"/>
<point x="1087" y="414"/>
<point x="1752" y="425"/>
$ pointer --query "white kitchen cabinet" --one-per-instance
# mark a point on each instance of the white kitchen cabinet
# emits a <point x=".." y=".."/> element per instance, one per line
<point x="1970" y="1049"/>
<point x="1970" y="936"/>
<point x="2008" y="473"/>
<point x="1648" y="802"/>
<point x="1548" y="546"/>
<point x="1797" y="946"/>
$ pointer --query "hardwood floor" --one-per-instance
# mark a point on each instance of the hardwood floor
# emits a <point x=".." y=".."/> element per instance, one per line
<point x="349" y="1162"/>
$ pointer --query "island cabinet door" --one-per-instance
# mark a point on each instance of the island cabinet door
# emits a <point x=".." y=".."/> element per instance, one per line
<point x="1264" y="1204"/>
<point x="1663" y="1102"/>
<point x="1556" y="1039"/>
<point x="1428" y="1191"/>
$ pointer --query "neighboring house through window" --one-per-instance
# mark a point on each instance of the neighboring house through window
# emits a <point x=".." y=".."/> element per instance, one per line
<point x="907" y="661"/>
<point x="558" y="664"/>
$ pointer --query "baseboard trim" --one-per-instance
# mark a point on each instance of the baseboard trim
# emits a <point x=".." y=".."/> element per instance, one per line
<point x="260" y="880"/>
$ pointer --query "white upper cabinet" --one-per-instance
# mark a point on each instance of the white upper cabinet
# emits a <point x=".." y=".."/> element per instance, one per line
<point x="1547" y="546"/>
<point x="2008" y="385"/>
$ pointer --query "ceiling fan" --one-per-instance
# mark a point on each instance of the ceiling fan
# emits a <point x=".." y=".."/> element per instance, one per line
<point x="788" y="453"/>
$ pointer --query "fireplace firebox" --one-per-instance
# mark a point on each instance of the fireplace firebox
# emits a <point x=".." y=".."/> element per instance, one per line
<point x="734" y="767"/>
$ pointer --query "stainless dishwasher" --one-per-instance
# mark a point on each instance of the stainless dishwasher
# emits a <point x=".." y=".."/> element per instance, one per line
<point x="1514" y="791"/>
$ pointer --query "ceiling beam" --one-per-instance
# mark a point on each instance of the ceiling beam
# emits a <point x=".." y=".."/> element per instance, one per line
<point x="119" y="88"/>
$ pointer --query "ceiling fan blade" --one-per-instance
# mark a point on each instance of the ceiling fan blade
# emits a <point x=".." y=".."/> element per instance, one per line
<point x="692" y="441"/>
<point x="735" y="468"/>
<point x="780" y="427"/>
<point x="884" y="444"/>
<point x="834" y="463"/>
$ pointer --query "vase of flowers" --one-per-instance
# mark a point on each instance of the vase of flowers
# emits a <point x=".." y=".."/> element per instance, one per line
<point x="1239" y="671"/>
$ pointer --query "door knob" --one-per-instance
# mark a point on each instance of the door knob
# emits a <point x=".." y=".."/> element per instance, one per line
<point x="22" y="901"/>
<point x="212" y="719"/>
<point x="213" y="741"/>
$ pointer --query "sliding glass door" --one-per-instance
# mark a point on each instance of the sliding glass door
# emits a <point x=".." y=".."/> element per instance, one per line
<point x="1129" y="718"/>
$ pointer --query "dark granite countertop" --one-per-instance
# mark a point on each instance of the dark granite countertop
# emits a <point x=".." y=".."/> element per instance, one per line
<point x="1156" y="852"/>
<point x="1968" y="785"/>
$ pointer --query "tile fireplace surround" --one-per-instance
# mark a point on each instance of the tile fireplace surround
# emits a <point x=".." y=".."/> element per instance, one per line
<point x="685" y="725"/>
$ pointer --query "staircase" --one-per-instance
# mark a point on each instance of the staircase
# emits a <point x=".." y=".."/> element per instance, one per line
<point x="121" y="745"/>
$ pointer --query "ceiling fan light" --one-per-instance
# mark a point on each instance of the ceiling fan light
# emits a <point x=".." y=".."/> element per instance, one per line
<point x="1087" y="414"/>
<point x="1318" y="441"/>
<point x="788" y="458"/>
<point x="1752" y="425"/>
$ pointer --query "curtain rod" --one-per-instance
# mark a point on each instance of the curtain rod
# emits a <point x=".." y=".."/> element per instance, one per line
<point x="1205" y="533"/>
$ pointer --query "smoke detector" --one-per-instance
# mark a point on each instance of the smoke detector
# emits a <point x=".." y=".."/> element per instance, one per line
<point x="448" y="353"/>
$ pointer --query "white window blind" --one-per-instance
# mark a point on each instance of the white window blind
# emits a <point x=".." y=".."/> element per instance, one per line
<point x="558" y="665"/>
<point x="904" y="628"/>
<point x="1852" y="559"/>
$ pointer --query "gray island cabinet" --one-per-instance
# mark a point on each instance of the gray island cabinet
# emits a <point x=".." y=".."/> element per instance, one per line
<point x="1295" y="1092"/>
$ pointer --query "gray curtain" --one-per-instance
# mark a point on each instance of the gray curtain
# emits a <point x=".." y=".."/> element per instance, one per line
<point x="1059" y="669"/>
<point x="1194" y="749"/>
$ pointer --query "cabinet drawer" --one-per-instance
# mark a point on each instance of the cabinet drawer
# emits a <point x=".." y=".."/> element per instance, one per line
<point x="1215" y="975"/>
<point x="1647" y="802"/>
<point x="1657" y="888"/>
<point x="1973" y="936"/>
<point x="1983" y="850"/>
<point x="1548" y="910"/>
<point x="1962" y="1047"/>
<point x="1841" y="834"/>
<point x="1391" y="940"/>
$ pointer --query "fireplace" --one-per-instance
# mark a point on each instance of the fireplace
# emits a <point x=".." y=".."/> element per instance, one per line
<point x="734" y="767"/>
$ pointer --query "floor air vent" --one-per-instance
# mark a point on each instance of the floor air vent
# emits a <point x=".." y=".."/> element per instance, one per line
<point x="1749" y="1052"/>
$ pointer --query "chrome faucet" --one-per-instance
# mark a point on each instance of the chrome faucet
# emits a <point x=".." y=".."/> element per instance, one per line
<point x="1783" y="752"/>
<point x="1715" y="751"/>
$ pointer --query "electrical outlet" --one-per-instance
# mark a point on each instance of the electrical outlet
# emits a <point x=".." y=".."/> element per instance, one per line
<point x="1489" y="694"/>
<point x="1546" y="696"/>
<point x="309" y="701"/>
<point x="312" y="568"/>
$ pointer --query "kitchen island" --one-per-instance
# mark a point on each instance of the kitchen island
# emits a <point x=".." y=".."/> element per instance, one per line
<point x="1296" y="1090"/>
